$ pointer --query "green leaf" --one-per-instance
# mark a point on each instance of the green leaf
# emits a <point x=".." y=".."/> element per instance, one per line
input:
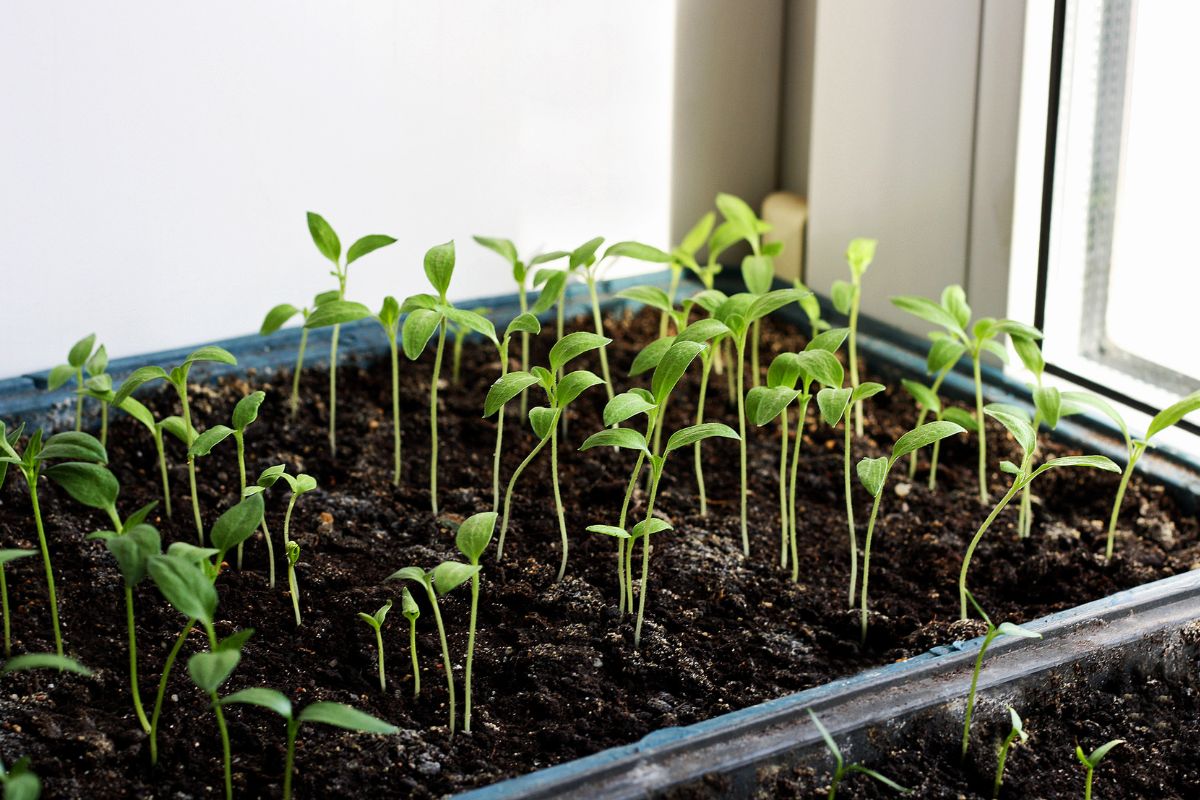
<point x="830" y="341"/>
<point x="1017" y="424"/>
<point x="771" y="302"/>
<point x="449" y="575"/>
<point x="190" y="552"/>
<point x="269" y="699"/>
<point x="672" y="366"/>
<point x="585" y="254"/>
<point x="408" y="606"/>
<point x="1014" y="328"/>
<point x="206" y="441"/>
<point x="555" y="283"/>
<point x="961" y="416"/>
<point x="830" y="744"/>
<point x="185" y="585"/>
<point x="238" y="523"/>
<point x="542" y="420"/>
<point x="764" y="404"/>
<point x="647" y="295"/>
<point x="409" y="574"/>
<point x="439" y="266"/>
<point x="419" y="300"/>
<point x="475" y="534"/>
<point x="13" y="554"/>
<point x="923" y="436"/>
<point x="137" y="378"/>
<point x="872" y="472"/>
<point x="246" y="410"/>
<point x="1094" y="462"/>
<point x="21" y="783"/>
<point x="735" y="312"/>
<point x="758" y="272"/>
<point x="28" y="661"/>
<point x="389" y="316"/>
<point x="1073" y="401"/>
<point x="1100" y="752"/>
<point x="210" y="353"/>
<point x="367" y="244"/>
<point x="995" y="348"/>
<point x="820" y="366"/>
<point x="738" y="213"/>
<point x="609" y="530"/>
<point x="638" y="251"/>
<point x="505" y="248"/>
<point x="98" y="362"/>
<point x="842" y="295"/>
<point x="698" y="235"/>
<point x="651" y="355"/>
<point x="336" y="312"/>
<point x="59" y="376"/>
<point x="625" y="406"/>
<point x="574" y="345"/>
<point x="210" y="670"/>
<point x="419" y="327"/>
<point x="345" y="717"/>
<point x="859" y="255"/>
<point x="649" y="527"/>
<point x="506" y="388"/>
<point x="574" y="384"/>
<point x="832" y="404"/>
<point x="133" y="549"/>
<point x="1030" y="354"/>
<point x="784" y="371"/>
<point x="1173" y="414"/>
<point x="924" y="396"/>
<point x="886" y="781"/>
<point x="1049" y="402"/>
<point x="703" y="330"/>
<point x="324" y="237"/>
<point x="99" y="385"/>
<point x="139" y="516"/>
<point x="954" y="300"/>
<point x="277" y="317"/>
<point x="696" y="433"/>
<point x="90" y="484"/>
<point x="523" y="323"/>
<point x="175" y="426"/>
<point x="470" y="319"/>
<point x="865" y="390"/>
<point x="710" y="299"/>
<point x="74" y="445"/>
<point x="545" y="258"/>
<point x="322" y="298"/>
<point x="617" y="437"/>
<point x="80" y="351"/>
<point x="944" y="352"/>
<point x="927" y="310"/>
<point x="1009" y="629"/>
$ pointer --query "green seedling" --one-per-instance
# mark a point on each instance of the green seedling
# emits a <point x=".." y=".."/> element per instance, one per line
<point x="300" y="484"/>
<point x="525" y="324"/>
<point x="460" y="333"/>
<point x="276" y="318"/>
<point x="178" y="378"/>
<point x="330" y="246"/>
<point x="993" y="632"/>
<point x="847" y="299"/>
<point x="327" y="713"/>
<point x="98" y="378"/>
<point x="1134" y="448"/>
<point x="954" y="316"/>
<point x="944" y="353"/>
<point x="520" y="272"/>
<point x="739" y="313"/>
<point x="684" y="255"/>
<point x="375" y="621"/>
<point x="842" y="769"/>
<point x="266" y="479"/>
<point x="722" y="238"/>
<point x="834" y="405"/>
<point x="1047" y="402"/>
<point x="472" y="539"/>
<point x="81" y="452"/>
<point x="1092" y="760"/>
<point x="927" y="401"/>
<point x="591" y="271"/>
<point x="552" y="282"/>
<point x="80" y="358"/>
<point x="758" y="268"/>
<point x="440" y="580"/>
<point x="873" y="474"/>
<point x="411" y="612"/>
<point x="210" y="670"/>
<point x="631" y="439"/>
<point x="6" y="556"/>
<point x="560" y="393"/>
<point x="389" y="319"/>
<point x="428" y="315"/>
<point x="1017" y="422"/>
<point x="1016" y="735"/>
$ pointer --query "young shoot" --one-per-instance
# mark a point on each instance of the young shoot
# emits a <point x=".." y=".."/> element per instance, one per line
<point x="525" y="324"/>
<point x="412" y="612"/>
<point x="460" y="333"/>
<point x="927" y="401"/>
<point x="591" y="273"/>
<point x="684" y="255"/>
<point x="1047" y="402"/>
<point x="300" y="484"/>
<point x="873" y="474"/>
<point x="266" y="479"/>
<point x="1017" y="422"/>
<point x="472" y="539"/>
<point x="279" y="316"/>
<point x="1092" y="760"/>
<point x="100" y="388"/>
<point x="337" y="715"/>
<point x="758" y="268"/>
<point x="553" y="282"/>
<point x="841" y="769"/>
<point x="177" y="377"/>
<point x="389" y="319"/>
<point x="330" y="246"/>
<point x="944" y="353"/>
<point x="993" y="632"/>
<point x="1017" y="735"/>
<point x="442" y="579"/>
<point x="80" y="357"/>
<point x="375" y="621"/>
<point x="560" y="393"/>
<point x="847" y="299"/>
<point x="954" y="316"/>
<point x="6" y="556"/>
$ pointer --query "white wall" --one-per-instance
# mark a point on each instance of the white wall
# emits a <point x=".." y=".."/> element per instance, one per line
<point x="157" y="158"/>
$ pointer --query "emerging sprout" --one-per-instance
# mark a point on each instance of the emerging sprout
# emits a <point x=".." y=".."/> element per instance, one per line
<point x="591" y="270"/>
<point x="873" y="473"/>
<point x="758" y="268"/>
<point x="299" y="485"/>
<point x="684" y="255"/>
<point x="276" y="318"/>
<point x="944" y="353"/>
<point x="1092" y="760"/>
<point x="375" y="621"/>
<point x="847" y="298"/>
<point x="1017" y="734"/>
<point x="330" y="246"/>
<point x="526" y="324"/>
<point x="266" y="480"/>
<point x="336" y="714"/>
<point x="927" y="400"/>
<point x="842" y="769"/>
<point x="411" y="611"/>
<point x="178" y="378"/>
<point x="1047" y="402"/>
<point x="472" y="539"/>
<point x="1018" y="424"/>
<point x="993" y="631"/>
<point x="81" y="357"/>
<point x="5" y="557"/>
<point x="389" y="319"/>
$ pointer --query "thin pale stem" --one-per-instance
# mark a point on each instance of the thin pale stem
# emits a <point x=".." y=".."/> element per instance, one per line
<point x="866" y="573"/>
<point x="558" y="506"/>
<point x="933" y="465"/>
<point x="966" y="565"/>
<point x="706" y="367"/>
<point x="620" y="576"/>
<point x="755" y="375"/>
<point x="225" y="749"/>
<point x="240" y="440"/>
<point x="792" y="522"/>
<point x="1004" y="748"/>
<point x="599" y="327"/>
<point x="45" y="548"/>
<point x="379" y="648"/>
<point x="641" y="615"/>
<point x="433" y="403"/>
<point x="858" y="418"/>
<point x="508" y="494"/>
<point x="190" y="432"/>
<point x="162" y="687"/>
<point x="730" y="380"/>
<point x="1087" y="786"/>
<point x="7" y="619"/>
<point x="437" y="617"/>
<point x="79" y="399"/>
<point x="294" y="399"/>
<point x="395" y="408"/>
<point x="966" y="735"/>
<point x="162" y="469"/>
<point x="270" y="553"/>
<point x="456" y="357"/>
<point x="499" y="433"/>
<point x="921" y="415"/>
<point x="1025" y="512"/>
<point x="524" y="351"/>
<point x="741" y="409"/>
<point x="470" y="652"/>
<point x="784" y="539"/>
<point x="672" y="289"/>
<point x="982" y="434"/>
<point x="133" y="671"/>
<point x="293" y="585"/>
<point x="1126" y="474"/>
<point x="290" y="759"/>
<point x="850" y="508"/>
<point x="416" y="665"/>
<point x="104" y="424"/>
<point x="333" y="354"/>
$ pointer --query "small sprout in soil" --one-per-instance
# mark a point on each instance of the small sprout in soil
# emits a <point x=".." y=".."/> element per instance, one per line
<point x="80" y="358"/>
<point x="5" y="557"/>
<point x="526" y="324"/>
<point x="276" y="318"/>
<point x="553" y="282"/>
<point x="209" y="670"/>
<point x="82" y="454"/>
<point x="244" y="414"/>
<point x="560" y="393"/>
<point x="375" y="621"/>
<point x="411" y="612"/>
<point x="954" y="316"/>
<point x="460" y="333"/>
<point x="758" y="268"/>
<point x="472" y="539"/>
<point x="684" y="255"/>
<point x="993" y="632"/>
<point x="389" y="319"/>
<point x="1092" y="760"/>
<point x="873" y="473"/>
<point x="842" y="769"/>
<point x="944" y="353"/>
<point x="1048" y="409"/>
<point x="330" y="246"/>
<point x="301" y="484"/>
<point x="440" y="580"/>
<point x="1017" y="422"/>
<point x="336" y="714"/>
<point x="927" y="400"/>
<point x="266" y="479"/>
<point x="847" y="298"/>
<point x="591" y="273"/>
<point x="178" y="378"/>
<point x="19" y="781"/>
<point x="1016" y="735"/>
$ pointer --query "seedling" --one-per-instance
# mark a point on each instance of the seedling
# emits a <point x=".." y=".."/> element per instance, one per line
<point x="560" y="393"/>
<point x="927" y="400"/>
<point x="1019" y="425"/>
<point x="1092" y="760"/>
<point x="460" y="333"/>
<point x="440" y="580"/>
<point x="520" y="272"/>
<point x="526" y="324"/>
<point x="336" y="714"/>
<point x="82" y="452"/>
<point x="944" y="353"/>
<point x="276" y="318"/>
<point x="842" y="769"/>
<point x="847" y="298"/>
<point x="954" y="315"/>
<point x="81" y="357"/>
<point x="591" y="271"/>
<point x="1047" y="402"/>
<point x="993" y="632"/>
<point x="1017" y="734"/>
<point x="834" y="405"/>
<point x="6" y="556"/>
<point x="375" y="621"/>
<point x="411" y="612"/>
<point x="301" y="484"/>
<point x="178" y="378"/>
<point x="684" y="255"/>
<point x="873" y="474"/>
<point x="426" y="315"/>
<point x="472" y="539"/>
<point x="330" y="246"/>
<point x="389" y="319"/>
<point x="758" y="268"/>
<point x="209" y="671"/>
<point x="266" y="479"/>
<point x="1134" y="448"/>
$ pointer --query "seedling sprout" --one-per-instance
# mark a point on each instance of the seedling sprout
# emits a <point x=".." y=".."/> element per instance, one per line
<point x="80" y="357"/>
<point x="847" y="299"/>
<point x="842" y="769"/>
<point x="375" y="621"/>
<point x="472" y="539"/>
<point x="276" y="318"/>
<point x="526" y="324"/>
<point x="1016" y="735"/>
<point x="411" y="612"/>
<point x="1092" y="760"/>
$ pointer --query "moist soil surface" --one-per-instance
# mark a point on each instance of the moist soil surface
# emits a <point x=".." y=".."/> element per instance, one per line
<point x="556" y="676"/>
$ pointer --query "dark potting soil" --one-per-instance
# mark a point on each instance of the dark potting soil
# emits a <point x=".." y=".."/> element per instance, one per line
<point x="556" y="676"/>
